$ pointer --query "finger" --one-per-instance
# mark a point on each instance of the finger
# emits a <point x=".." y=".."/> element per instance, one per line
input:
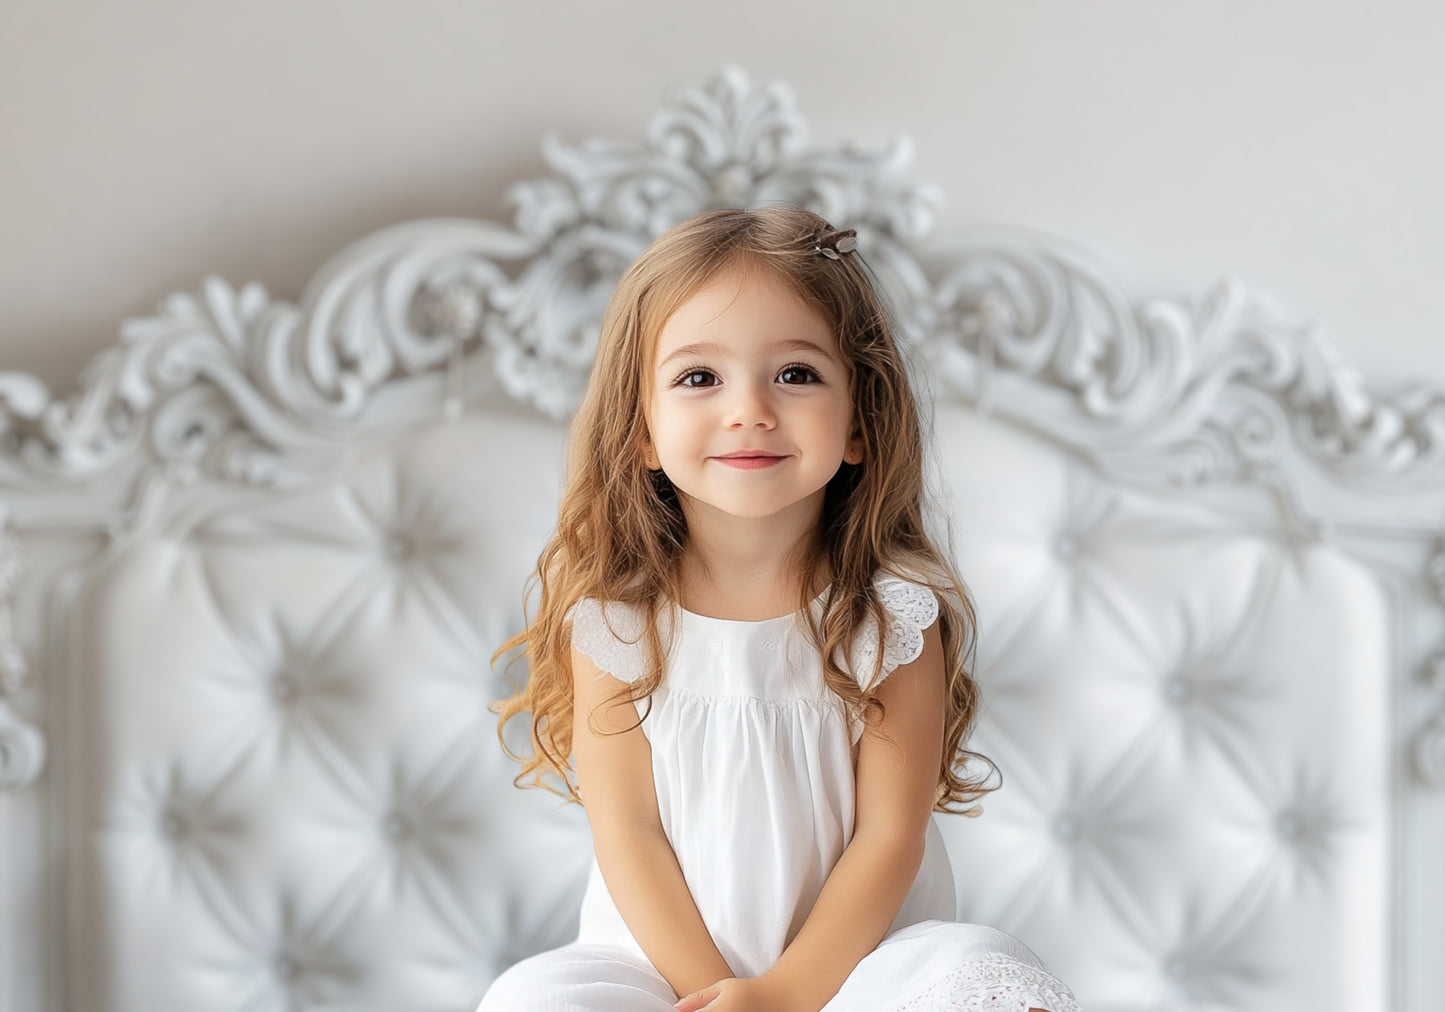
<point x="696" y="1000"/>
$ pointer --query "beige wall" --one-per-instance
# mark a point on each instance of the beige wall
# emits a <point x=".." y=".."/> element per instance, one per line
<point x="1295" y="144"/>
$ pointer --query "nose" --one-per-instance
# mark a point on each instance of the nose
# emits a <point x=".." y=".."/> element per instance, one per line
<point x="750" y="406"/>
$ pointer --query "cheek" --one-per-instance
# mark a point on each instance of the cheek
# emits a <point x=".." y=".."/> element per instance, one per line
<point x="658" y="415"/>
<point x="666" y="430"/>
<point x="657" y="421"/>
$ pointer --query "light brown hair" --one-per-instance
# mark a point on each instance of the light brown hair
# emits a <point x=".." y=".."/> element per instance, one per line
<point x="620" y="532"/>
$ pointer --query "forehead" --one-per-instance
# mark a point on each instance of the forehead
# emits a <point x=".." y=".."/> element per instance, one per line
<point x="743" y="309"/>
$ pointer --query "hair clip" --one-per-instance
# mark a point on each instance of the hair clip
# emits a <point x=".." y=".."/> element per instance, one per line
<point x="833" y="244"/>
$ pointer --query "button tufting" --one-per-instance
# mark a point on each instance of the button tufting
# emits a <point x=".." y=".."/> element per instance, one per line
<point x="283" y="688"/>
<point x="1177" y="966"/>
<point x="1289" y="825"/>
<point x="397" y="827"/>
<point x="173" y="826"/>
<point x="1066" y="547"/>
<point x="1178" y="690"/>
<point x="398" y="546"/>
<point x="287" y="968"/>
<point x="1068" y="827"/>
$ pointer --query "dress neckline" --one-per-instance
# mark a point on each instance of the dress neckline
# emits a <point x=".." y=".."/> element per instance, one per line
<point x="750" y="622"/>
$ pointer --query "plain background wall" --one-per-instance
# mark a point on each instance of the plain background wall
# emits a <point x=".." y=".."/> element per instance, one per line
<point x="1294" y="144"/>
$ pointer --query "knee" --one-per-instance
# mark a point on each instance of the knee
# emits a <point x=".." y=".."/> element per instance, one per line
<point x="982" y="940"/>
<point x="518" y="989"/>
<point x="577" y="976"/>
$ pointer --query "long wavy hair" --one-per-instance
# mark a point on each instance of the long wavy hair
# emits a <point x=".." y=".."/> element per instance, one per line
<point x="621" y="533"/>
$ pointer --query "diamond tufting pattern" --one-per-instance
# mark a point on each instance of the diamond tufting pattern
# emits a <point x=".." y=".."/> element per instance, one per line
<point x="296" y="798"/>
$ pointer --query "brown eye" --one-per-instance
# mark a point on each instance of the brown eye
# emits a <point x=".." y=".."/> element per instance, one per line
<point x="695" y="378"/>
<point x="798" y="374"/>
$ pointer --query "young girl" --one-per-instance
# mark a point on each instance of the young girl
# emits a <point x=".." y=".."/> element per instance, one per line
<point x="755" y="654"/>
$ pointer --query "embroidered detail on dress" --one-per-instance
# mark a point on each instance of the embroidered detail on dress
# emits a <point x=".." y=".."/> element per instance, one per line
<point x="996" y="984"/>
<point x="911" y="609"/>
<point x="830" y="705"/>
<point x="604" y="635"/>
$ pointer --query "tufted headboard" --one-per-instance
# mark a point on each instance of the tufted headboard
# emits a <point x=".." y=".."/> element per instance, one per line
<point x="252" y="573"/>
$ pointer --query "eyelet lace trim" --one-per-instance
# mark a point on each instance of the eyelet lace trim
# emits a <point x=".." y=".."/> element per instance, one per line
<point x="911" y="609"/>
<point x="994" y="984"/>
<point x="604" y="635"/>
<point x="612" y="634"/>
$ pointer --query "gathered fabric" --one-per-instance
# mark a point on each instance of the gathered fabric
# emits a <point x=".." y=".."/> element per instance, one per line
<point x="754" y="761"/>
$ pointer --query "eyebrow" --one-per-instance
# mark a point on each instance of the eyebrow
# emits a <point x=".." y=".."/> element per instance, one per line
<point x="713" y="348"/>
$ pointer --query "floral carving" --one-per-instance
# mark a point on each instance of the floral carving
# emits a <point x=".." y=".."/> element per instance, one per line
<point x="239" y="387"/>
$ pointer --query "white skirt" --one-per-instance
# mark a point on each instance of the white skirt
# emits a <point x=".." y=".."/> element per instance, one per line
<point x="930" y="966"/>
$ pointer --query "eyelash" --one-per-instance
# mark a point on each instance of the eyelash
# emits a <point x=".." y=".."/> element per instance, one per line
<point x="801" y="366"/>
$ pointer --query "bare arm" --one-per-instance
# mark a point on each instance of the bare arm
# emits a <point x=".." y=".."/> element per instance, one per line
<point x="896" y="786"/>
<point x="614" y="775"/>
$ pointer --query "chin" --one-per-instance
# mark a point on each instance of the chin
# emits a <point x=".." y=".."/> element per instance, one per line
<point x="752" y="509"/>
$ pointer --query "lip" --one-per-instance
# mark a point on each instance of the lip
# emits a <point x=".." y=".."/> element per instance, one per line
<point x="750" y="459"/>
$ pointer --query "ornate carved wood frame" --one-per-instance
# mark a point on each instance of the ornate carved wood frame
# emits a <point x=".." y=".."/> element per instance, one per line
<point x="1185" y="394"/>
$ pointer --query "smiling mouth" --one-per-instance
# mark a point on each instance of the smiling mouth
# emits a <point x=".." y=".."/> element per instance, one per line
<point x="751" y="461"/>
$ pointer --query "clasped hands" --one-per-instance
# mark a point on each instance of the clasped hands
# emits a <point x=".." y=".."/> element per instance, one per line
<point x="742" y="994"/>
<point x="746" y="994"/>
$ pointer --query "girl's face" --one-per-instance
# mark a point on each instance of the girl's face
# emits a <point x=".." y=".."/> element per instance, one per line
<point x="749" y="411"/>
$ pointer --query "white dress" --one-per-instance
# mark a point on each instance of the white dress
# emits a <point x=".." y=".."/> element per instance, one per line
<point x="753" y="762"/>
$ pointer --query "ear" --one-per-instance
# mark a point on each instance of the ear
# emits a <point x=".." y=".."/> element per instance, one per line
<point x="649" y="457"/>
<point x="853" y="452"/>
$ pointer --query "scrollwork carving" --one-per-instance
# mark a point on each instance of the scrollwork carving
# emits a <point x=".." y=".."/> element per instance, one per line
<point x="22" y="750"/>
<point x="1183" y="392"/>
<point x="234" y="384"/>
<point x="22" y="745"/>
<point x="286" y="379"/>
<point x="1187" y="392"/>
<point x="14" y="671"/>
<point x="1428" y="748"/>
<point x="1428" y="752"/>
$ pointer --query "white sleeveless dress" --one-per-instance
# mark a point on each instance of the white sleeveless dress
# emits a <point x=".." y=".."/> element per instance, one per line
<point x="753" y="761"/>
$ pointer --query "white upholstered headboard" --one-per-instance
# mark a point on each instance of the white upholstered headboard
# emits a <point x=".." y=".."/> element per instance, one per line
<point x="252" y="573"/>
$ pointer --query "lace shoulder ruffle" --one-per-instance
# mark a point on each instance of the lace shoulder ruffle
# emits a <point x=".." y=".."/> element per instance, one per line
<point x="997" y="984"/>
<point x="911" y="609"/>
<point x="611" y="634"/>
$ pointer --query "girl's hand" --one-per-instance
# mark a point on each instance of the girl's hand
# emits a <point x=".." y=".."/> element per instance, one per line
<point x="737" y="994"/>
